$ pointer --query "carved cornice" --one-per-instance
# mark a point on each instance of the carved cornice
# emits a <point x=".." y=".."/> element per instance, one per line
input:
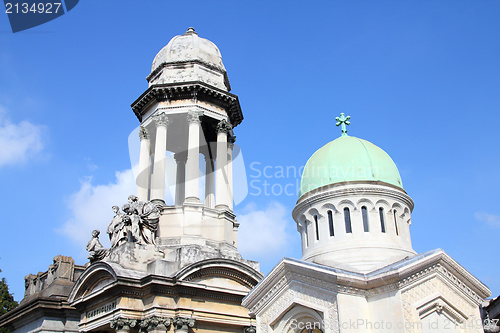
<point x="161" y="119"/>
<point x="184" y="91"/>
<point x="143" y="133"/>
<point x="194" y="116"/>
<point x="223" y="127"/>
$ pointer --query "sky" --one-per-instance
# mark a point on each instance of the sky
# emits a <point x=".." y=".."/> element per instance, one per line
<point x="420" y="79"/>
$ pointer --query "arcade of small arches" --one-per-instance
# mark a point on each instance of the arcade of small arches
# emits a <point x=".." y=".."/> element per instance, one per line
<point x="331" y="221"/>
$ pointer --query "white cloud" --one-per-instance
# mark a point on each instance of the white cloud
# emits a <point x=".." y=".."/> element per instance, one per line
<point x="18" y="142"/>
<point x="265" y="235"/>
<point x="492" y="220"/>
<point x="91" y="207"/>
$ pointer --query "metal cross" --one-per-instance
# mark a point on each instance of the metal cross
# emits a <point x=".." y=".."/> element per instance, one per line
<point x="343" y="120"/>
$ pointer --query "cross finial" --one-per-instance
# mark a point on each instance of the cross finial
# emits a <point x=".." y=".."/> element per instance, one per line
<point x="343" y="120"/>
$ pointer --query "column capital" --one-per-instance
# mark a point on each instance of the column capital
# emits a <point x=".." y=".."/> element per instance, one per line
<point x="161" y="119"/>
<point x="183" y="324"/>
<point x="231" y="139"/>
<point x="223" y="126"/>
<point x="143" y="133"/>
<point x="194" y="116"/>
<point x="121" y="323"/>
<point x="250" y="329"/>
<point x="151" y="323"/>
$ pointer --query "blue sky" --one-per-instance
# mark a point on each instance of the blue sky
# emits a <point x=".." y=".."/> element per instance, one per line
<point x="420" y="79"/>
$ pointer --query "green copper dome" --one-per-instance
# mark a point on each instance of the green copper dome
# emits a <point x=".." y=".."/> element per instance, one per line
<point x="348" y="159"/>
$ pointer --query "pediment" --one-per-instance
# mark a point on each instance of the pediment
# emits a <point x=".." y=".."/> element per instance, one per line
<point x="221" y="273"/>
<point x="93" y="280"/>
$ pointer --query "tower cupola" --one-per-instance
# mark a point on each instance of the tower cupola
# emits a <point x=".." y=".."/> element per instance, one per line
<point x="353" y="211"/>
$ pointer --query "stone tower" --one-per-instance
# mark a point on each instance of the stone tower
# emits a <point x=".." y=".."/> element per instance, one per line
<point x="170" y="268"/>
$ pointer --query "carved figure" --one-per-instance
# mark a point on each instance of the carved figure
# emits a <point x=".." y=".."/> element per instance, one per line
<point x="132" y="221"/>
<point x="116" y="229"/>
<point x="95" y="248"/>
<point x="149" y="217"/>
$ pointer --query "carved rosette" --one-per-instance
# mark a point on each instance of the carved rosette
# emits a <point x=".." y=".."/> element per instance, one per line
<point x="194" y="116"/>
<point x="143" y="133"/>
<point x="123" y="324"/>
<point x="151" y="323"/>
<point x="161" y="119"/>
<point x="182" y="324"/>
<point x="223" y="127"/>
<point x="250" y="329"/>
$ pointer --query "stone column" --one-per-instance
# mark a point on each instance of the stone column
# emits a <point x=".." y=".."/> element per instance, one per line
<point x="230" y="146"/>
<point x="143" y="172"/>
<point x="209" y="182"/>
<point x="122" y="325"/>
<point x="193" y="158"/>
<point x="180" y="182"/>
<point x="221" y="189"/>
<point x="158" y="179"/>
<point x="250" y="329"/>
<point x="182" y="325"/>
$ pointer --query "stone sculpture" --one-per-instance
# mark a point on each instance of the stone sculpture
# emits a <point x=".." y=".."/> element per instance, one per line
<point x="116" y="229"/>
<point x="95" y="248"/>
<point x="137" y="223"/>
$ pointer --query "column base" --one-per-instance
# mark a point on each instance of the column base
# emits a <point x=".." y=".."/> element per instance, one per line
<point x="193" y="200"/>
<point x="222" y="207"/>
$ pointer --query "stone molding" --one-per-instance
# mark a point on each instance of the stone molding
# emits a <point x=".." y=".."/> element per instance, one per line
<point x="178" y="91"/>
<point x="161" y="119"/>
<point x="223" y="127"/>
<point x="143" y="133"/>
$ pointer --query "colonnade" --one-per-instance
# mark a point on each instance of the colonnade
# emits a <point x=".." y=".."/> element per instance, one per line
<point x="218" y="182"/>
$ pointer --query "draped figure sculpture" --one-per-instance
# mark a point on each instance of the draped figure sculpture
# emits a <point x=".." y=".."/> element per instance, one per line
<point x="137" y="223"/>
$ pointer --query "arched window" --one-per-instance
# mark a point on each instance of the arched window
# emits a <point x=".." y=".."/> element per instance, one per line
<point x="347" y="220"/>
<point x="396" y="221"/>
<point x="330" y="223"/>
<point x="306" y="234"/>
<point x="382" y="219"/>
<point x="316" y="226"/>
<point x="364" y="213"/>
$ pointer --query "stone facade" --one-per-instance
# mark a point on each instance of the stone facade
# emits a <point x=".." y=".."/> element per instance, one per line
<point x="172" y="268"/>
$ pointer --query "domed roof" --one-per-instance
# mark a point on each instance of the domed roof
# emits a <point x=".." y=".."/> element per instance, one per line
<point x="348" y="159"/>
<point x="189" y="47"/>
